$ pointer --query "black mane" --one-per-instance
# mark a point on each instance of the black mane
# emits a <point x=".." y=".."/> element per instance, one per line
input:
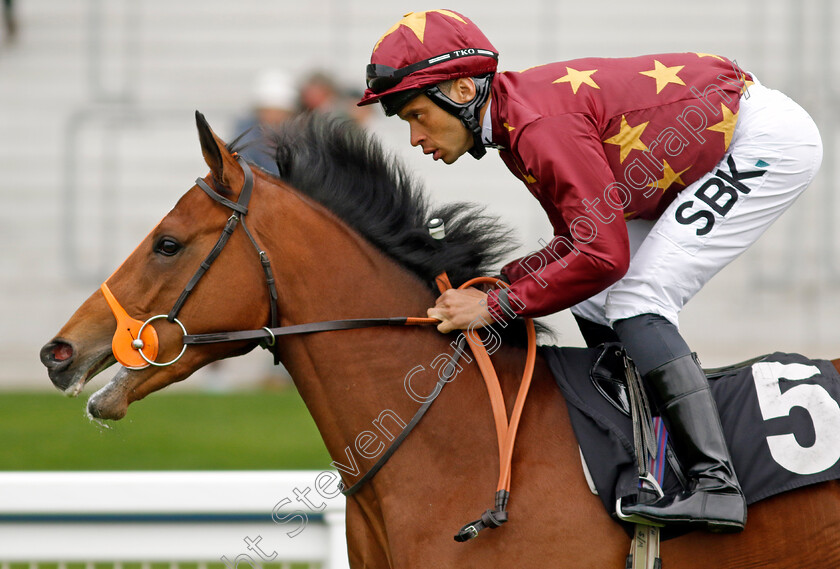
<point x="345" y="169"/>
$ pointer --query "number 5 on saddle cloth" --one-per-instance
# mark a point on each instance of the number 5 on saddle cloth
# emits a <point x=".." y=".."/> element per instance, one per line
<point x="780" y="416"/>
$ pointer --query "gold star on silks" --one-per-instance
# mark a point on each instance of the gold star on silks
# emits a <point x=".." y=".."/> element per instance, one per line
<point x="508" y="127"/>
<point x="747" y="82"/>
<point x="668" y="177"/>
<point x="709" y="55"/>
<point x="416" y="22"/>
<point x="530" y="68"/>
<point x="726" y="126"/>
<point x="526" y="176"/>
<point x="664" y="75"/>
<point x="628" y="138"/>
<point x="577" y="78"/>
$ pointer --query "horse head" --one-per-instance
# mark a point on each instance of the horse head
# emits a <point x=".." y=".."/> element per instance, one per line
<point x="149" y="283"/>
<point x="342" y="232"/>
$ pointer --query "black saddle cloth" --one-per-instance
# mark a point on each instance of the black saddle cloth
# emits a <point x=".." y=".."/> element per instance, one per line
<point x="780" y="417"/>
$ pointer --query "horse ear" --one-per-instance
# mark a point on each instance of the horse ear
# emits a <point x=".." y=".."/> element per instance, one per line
<point x="221" y="162"/>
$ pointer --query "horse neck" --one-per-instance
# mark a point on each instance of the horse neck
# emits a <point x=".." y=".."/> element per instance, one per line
<point x="354" y="382"/>
<point x="326" y="271"/>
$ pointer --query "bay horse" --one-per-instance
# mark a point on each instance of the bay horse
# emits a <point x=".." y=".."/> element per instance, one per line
<point x="344" y="229"/>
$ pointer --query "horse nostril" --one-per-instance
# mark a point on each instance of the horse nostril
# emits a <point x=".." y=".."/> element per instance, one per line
<point x="56" y="354"/>
<point x="62" y="352"/>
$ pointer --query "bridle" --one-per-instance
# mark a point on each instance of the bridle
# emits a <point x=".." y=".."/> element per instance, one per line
<point x="135" y="344"/>
<point x="133" y="338"/>
<point x="144" y="338"/>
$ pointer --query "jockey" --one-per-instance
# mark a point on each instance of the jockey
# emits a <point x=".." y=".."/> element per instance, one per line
<point x="655" y="173"/>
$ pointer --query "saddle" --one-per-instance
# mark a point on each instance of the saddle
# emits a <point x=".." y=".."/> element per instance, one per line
<point x="609" y="377"/>
<point x="781" y="434"/>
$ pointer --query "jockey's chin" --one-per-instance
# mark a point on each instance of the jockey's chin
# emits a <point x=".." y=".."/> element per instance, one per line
<point x="448" y="157"/>
<point x="451" y="156"/>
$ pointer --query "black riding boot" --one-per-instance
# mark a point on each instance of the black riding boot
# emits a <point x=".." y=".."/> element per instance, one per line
<point x="714" y="498"/>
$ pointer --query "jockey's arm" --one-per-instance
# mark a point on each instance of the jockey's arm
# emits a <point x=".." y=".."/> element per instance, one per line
<point x="569" y="173"/>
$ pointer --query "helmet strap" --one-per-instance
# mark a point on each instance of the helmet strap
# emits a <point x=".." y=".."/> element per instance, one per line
<point x="468" y="112"/>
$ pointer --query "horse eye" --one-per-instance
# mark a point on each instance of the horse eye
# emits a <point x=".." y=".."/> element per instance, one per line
<point x="167" y="246"/>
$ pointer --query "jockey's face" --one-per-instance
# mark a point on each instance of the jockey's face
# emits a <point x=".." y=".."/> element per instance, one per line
<point x="436" y="131"/>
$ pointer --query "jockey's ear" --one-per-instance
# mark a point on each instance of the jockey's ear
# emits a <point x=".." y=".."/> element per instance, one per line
<point x="462" y="90"/>
<point x="226" y="170"/>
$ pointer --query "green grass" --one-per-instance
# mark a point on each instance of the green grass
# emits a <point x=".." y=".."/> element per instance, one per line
<point x="167" y="431"/>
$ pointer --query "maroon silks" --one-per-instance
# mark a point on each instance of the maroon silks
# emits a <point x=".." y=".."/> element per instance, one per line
<point x="602" y="141"/>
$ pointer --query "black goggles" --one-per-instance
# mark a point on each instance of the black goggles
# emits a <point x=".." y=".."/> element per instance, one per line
<point x="380" y="78"/>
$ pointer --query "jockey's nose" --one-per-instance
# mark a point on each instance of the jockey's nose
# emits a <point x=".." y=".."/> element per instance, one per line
<point x="417" y="136"/>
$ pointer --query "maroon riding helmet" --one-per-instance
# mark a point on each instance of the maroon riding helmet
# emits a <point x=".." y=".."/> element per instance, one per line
<point x="423" y="50"/>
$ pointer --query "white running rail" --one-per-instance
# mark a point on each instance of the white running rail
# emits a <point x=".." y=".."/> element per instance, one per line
<point x="235" y="519"/>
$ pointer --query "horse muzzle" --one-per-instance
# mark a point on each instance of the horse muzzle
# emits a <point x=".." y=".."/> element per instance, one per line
<point x="57" y="356"/>
<point x="68" y="368"/>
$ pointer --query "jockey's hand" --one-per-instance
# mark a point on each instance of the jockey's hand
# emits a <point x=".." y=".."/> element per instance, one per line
<point x="458" y="308"/>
